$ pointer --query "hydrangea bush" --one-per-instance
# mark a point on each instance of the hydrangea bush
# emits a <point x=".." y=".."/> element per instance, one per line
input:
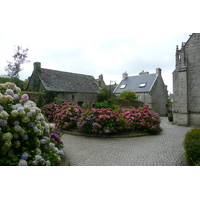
<point x="105" y="121"/>
<point x="67" y="116"/>
<point x="101" y="121"/>
<point x="142" y="119"/>
<point x="25" y="137"/>
<point x="49" y="109"/>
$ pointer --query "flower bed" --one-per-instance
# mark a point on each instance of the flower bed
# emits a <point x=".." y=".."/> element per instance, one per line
<point x="101" y="121"/>
<point x="143" y="119"/>
<point x="49" y="109"/>
<point x="105" y="121"/>
<point x="67" y="116"/>
<point x="25" y="137"/>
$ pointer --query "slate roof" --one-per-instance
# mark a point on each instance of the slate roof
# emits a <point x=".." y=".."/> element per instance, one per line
<point x="132" y="83"/>
<point x="60" y="81"/>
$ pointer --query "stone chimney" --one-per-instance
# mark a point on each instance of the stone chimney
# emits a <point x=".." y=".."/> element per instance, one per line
<point x="143" y="72"/>
<point x="37" y="66"/>
<point x="124" y="75"/>
<point x="158" y="71"/>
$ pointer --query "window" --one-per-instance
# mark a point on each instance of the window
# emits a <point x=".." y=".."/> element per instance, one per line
<point x="80" y="103"/>
<point x="123" y="86"/>
<point x="142" y="85"/>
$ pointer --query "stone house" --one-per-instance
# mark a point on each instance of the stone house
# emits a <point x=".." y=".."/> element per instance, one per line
<point x="149" y="88"/>
<point x="66" y="86"/>
<point x="186" y="81"/>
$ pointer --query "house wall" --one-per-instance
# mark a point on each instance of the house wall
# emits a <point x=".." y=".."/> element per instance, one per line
<point x="35" y="84"/>
<point x="145" y="98"/>
<point x="87" y="99"/>
<point x="159" y="96"/>
<point x="186" y="82"/>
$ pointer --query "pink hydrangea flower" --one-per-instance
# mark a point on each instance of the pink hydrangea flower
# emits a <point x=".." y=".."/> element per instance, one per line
<point x="25" y="98"/>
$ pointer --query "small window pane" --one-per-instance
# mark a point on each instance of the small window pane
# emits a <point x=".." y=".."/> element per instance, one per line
<point x="142" y="85"/>
<point x="122" y="86"/>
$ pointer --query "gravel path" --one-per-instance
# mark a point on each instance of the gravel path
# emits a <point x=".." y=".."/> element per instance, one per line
<point x="165" y="149"/>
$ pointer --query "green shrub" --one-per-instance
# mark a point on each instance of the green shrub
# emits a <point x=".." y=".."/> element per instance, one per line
<point x="192" y="147"/>
<point x="104" y="95"/>
<point x="105" y="104"/>
<point x="128" y="95"/>
<point x="170" y="117"/>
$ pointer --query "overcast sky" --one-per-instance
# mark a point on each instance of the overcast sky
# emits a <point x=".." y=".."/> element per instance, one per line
<point x="94" y="37"/>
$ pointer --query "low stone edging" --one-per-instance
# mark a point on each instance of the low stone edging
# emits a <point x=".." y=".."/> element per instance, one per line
<point x="106" y="136"/>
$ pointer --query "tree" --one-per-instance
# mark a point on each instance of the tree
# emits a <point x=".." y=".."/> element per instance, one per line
<point x="128" y="95"/>
<point x="104" y="95"/>
<point x="20" y="57"/>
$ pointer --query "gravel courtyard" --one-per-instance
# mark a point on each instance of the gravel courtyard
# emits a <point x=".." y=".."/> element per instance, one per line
<point x="165" y="149"/>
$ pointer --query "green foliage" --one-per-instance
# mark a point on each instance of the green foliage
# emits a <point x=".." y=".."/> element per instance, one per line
<point x="19" y="83"/>
<point x="50" y="96"/>
<point x="104" y="95"/>
<point x="105" y="104"/>
<point x="170" y="117"/>
<point x="128" y="95"/>
<point x="169" y="102"/>
<point x="192" y="147"/>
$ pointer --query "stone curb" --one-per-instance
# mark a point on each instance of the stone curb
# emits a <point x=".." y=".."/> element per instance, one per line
<point x="104" y="136"/>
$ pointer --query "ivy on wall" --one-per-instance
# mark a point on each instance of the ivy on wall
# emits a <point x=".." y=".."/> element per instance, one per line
<point x="50" y="96"/>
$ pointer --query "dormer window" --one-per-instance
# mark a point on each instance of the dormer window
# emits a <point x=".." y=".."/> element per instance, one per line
<point x="142" y="85"/>
<point x="123" y="86"/>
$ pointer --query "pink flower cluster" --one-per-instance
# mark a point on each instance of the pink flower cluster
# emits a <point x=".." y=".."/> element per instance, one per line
<point x="143" y="119"/>
<point x="67" y="116"/>
<point x="100" y="121"/>
<point x="49" y="109"/>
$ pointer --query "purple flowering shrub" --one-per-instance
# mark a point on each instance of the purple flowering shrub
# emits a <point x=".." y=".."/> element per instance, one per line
<point x="67" y="116"/>
<point x="55" y="137"/>
<point x="142" y="119"/>
<point x="49" y="109"/>
<point x="100" y="121"/>
<point x="25" y="137"/>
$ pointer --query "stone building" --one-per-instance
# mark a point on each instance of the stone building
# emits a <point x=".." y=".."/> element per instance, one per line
<point x="150" y="89"/>
<point x="66" y="86"/>
<point x="186" y="82"/>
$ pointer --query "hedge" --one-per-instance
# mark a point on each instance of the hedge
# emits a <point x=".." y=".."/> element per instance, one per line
<point x="192" y="147"/>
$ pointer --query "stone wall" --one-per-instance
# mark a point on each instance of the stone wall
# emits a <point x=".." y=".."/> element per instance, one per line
<point x="159" y="96"/>
<point x="145" y="98"/>
<point x="87" y="99"/>
<point x="186" y="81"/>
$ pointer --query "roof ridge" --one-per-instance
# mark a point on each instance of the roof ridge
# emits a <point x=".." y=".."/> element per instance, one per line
<point x="142" y="75"/>
<point x="65" y="72"/>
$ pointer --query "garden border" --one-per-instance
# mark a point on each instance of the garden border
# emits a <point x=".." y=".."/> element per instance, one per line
<point x="108" y="136"/>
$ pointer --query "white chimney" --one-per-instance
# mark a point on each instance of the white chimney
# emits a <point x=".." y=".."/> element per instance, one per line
<point x="124" y="75"/>
<point x="143" y="72"/>
<point x="158" y="71"/>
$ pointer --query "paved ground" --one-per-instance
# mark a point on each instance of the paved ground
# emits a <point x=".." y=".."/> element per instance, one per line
<point x="165" y="149"/>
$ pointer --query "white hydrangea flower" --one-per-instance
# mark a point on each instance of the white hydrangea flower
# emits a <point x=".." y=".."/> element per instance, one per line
<point x="25" y="119"/>
<point x="48" y="163"/>
<point x="30" y="103"/>
<point x="8" y="136"/>
<point x="4" y="115"/>
<point x="27" y="108"/>
<point x="23" y="163"/>
<point x="14" y="113"/>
